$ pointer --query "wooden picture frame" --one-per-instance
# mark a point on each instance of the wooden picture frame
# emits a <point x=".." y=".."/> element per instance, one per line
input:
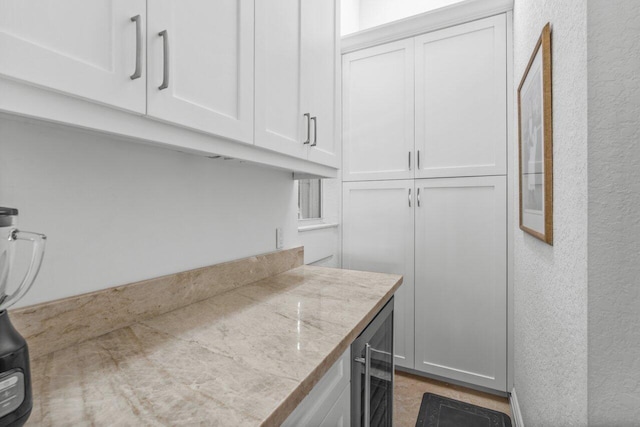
<point x="535" y="142"/>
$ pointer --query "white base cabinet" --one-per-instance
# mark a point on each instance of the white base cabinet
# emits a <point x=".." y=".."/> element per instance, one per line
<point x="447" y="237"/>
<point x="329" y="402"/>
<point x="461" y="279"/>
<point x="378" y="236"/>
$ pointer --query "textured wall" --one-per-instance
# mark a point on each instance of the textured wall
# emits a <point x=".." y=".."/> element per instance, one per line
<point x="550" y="283"/>
<point x="117" y="212"/>
<point x="614" y="212"/>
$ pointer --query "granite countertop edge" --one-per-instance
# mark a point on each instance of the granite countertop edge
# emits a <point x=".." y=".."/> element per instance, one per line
<point x="289" y="402"/>
<point x="297" y="396"/>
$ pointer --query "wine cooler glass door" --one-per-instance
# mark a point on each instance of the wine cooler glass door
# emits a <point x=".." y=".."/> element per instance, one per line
<point x="372" y="372"/>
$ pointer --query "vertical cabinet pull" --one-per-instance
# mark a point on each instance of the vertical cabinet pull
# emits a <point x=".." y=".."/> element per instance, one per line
<point x="366" y="361"/>
<point x="409" y="197"/>
<point x="409" y="160"/>
<point x="138" y="71"/>
<point x="165" y="61"/>
<point x="418" y="160"/>
<point x="367" y="385"/>
<point x="308" y="117"/>
<point x="418" y="196"/>
<point x="314" y="119"/>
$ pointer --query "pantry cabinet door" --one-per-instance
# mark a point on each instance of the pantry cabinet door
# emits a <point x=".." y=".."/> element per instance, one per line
<point x="200" y="68"/>
<point x="280" y="99"/>
<point x="461" y="285"/>
<point x="321" y="37"/>
<point x="87" y="49"/>
<point x="377" y="112"/>
<point x="378" y="236"/>
<point x="461" y="100"/>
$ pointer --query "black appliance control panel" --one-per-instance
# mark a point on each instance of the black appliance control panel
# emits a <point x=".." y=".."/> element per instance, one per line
<point x="11" y="391"/>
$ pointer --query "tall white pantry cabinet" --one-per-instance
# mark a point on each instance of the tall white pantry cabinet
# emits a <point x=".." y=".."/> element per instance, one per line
<point x="425" y="192"/>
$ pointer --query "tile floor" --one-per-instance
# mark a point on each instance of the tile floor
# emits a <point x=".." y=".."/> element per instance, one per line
<point x="410" y="388"/>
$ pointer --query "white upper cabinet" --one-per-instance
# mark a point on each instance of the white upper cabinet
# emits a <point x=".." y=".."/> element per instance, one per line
<point x="297" y="79"/>
<point x="200" y="65"/>
<point x="281" y="93"/>
<point x="89" y="49"/>
<point x="321" y="39"/>
<point x="378" y="236"/>
<point x="460" y="102"/>
<point x="214" y="78"/>
<point x="378" y="113"/>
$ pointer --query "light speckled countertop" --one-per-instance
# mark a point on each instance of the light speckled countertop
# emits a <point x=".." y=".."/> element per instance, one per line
<point x="245" y="357"/>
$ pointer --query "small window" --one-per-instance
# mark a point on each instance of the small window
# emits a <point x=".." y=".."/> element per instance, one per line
<point x="310" y="199"/>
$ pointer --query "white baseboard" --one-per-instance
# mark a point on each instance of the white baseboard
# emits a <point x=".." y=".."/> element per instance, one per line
<point x="516" y="415"/>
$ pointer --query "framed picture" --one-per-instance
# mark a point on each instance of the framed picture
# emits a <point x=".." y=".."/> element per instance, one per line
<point x="535" y="134"/>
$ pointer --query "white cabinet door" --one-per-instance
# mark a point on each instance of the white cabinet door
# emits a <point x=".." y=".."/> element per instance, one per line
<point x="319" y="407"/>
<point x="340" y="414"/>
<point x="297" y="78"/>
<point x="280" y="95"/>
<point x="378" y="236"/>
<point x="205" y="59"/>
<point x="378" y="121"/>
<point x="83" y="48"/>
<point x="461" y="312"/>
<point x="460" y="103"/>
<point x="321" y="38"/>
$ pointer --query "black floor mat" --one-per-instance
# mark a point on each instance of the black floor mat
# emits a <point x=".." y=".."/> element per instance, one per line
<point x="438" y="411"/>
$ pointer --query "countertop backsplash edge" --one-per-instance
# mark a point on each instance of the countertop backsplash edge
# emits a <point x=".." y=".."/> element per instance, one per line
<point x="55" y="325"/>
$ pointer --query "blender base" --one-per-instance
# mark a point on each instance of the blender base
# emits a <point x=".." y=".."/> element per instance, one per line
<point x="15" y="377"/>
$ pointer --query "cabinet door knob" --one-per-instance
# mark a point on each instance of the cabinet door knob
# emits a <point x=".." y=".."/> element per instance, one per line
<point x="409" y="197"/>
<point x="314" y="119"/>
<point x="165" y="61"/>
<point x="138" y="71"/>
<point x="308" y="117"/>
<point x="418" y="160"/>
<point x="418" y="196"/>
<point x="409" y="160"/>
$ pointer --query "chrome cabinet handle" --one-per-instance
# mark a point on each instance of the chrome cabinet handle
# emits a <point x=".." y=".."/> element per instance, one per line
<point x="165" y="63"/>
<point x="138" y="71"/>
<point x="308" y="117"/>
<point x="409" y="197"/>
<point x="367" y="385"/>
<point x="418" y="160"/>
<point x="409" y="160"/>
<point x="314" y="119"/>
<point x="366" y="361"/>
<point x="418" y="196"/>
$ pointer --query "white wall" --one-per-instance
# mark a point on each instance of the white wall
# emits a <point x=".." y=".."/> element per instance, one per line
<point x="614" y="212"/>
<point x="550" y="282"/>
<point x="349" y="16"/>
<point x="116" y="212"/>
<point x="359" y="15"/>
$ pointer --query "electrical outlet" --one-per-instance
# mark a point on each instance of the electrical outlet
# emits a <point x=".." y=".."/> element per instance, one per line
<point x="279" y="238"/>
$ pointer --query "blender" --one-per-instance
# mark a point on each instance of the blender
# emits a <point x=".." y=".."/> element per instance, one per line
<point x="15" y="378"/>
